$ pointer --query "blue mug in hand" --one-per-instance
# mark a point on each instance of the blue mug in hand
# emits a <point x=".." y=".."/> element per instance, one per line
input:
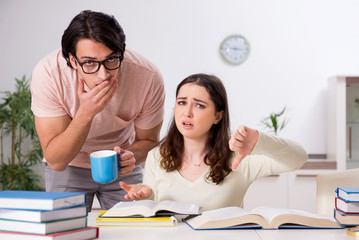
<point x="104" y="166"/>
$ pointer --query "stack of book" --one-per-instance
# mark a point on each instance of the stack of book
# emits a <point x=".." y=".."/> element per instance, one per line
<point x="346" y="210"/>
<point x="40" y="215"/>
<point x="145" y="213"/>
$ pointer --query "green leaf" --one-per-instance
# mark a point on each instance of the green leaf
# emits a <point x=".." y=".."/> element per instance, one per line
<point x="17" y="123"/>
<point x="274" y="123"/>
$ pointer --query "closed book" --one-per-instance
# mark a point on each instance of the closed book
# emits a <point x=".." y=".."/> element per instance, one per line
<point x="349" y="194"/>
<point x="43" y="228"/>
<point x="160" y="221"/>
<point x="43" y="215"/>
<point x="345" y="219"/>
<point x="346" y="207"/>
<point x="78" y="234"/>
<point x="40" y="200"/>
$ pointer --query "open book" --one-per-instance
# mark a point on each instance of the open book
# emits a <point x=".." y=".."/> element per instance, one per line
<point x="261" y="217"/>
<point x="149" y="208"/>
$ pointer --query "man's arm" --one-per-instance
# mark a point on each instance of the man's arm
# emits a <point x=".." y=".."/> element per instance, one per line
<point x="146" y="139"/>
<point x="144" y="142"/>
<point x="61" y="138"/>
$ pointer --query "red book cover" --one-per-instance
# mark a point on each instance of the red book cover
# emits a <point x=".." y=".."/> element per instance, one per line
<point x="346" y="207"/>
<point x="78" y="234"/>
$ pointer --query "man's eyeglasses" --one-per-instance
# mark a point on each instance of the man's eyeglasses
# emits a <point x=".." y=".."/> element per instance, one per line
<point x="91" y="66"/>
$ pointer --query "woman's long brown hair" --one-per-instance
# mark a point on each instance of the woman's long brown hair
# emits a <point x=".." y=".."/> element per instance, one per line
<point x="218" y="153"/>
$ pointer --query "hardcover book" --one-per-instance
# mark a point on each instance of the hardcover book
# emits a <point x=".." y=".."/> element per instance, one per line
<point x="40" y="200"/>
<point x="149" y="208"/>
<point x="43" y="215"/>
<point x="43" y="228"/>
<point x="78" y="234"/>
<point x="261" y="217"/>
<point x="160" y="221"/>
<point x="349" y="194"/>
<point x="346" y="207"/>
<point x="345" y="219"/>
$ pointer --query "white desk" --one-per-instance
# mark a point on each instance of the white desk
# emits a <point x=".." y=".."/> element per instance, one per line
<point x="182" y="231"/>
<point x="304" y="234"/>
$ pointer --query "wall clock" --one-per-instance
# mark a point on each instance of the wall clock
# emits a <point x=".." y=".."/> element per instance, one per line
<point x="235" y="49"/>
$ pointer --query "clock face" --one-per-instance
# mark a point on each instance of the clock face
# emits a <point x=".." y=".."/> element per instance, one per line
<point x="235" y="49"/>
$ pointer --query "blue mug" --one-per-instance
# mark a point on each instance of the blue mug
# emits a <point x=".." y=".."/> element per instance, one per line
<point x="104" y="166"/>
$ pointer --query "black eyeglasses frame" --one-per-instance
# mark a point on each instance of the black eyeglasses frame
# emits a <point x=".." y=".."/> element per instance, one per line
<point x="99" y="64"/>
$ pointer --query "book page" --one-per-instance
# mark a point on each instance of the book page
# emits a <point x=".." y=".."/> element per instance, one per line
<point x="142" y="207"/>
<point x="270" y="213"/>
<point x="290" y="216"/>
<point x="224" y="213"/>
<point x="177" y="207"/>
<point x="145" y="203"/>
<point x="226" y="218"/>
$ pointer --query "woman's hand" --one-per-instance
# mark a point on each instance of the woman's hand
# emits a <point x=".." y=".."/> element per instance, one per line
<point x="242" y="141"/>
<point x="136" y="191"/>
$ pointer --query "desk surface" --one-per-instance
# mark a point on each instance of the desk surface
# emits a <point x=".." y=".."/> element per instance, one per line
<point x="182" y="231"/>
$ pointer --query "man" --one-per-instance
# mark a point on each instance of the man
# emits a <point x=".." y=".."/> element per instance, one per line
<point x="93" y="95"/>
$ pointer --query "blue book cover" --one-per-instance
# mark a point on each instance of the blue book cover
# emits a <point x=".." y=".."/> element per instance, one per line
<point x="244" y="226"/>
<point x="40" y="200"/>
<point x="348" y="194"/>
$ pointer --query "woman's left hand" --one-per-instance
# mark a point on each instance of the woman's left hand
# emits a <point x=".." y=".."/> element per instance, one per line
<point x="242" y="141"/>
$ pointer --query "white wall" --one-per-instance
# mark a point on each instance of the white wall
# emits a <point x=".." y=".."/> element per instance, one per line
<point x="296" y="47"/>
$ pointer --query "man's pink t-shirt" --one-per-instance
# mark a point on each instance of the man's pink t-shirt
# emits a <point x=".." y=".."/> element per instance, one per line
<point x="139" y="101"/>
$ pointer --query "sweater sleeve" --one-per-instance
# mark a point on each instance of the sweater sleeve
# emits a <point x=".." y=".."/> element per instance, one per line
<point x="272" y="155"/>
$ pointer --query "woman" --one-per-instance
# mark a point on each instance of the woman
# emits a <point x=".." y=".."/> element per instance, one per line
<point x="194" y="163"/>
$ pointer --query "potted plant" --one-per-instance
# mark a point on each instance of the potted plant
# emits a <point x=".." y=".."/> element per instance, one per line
<point x="356" y="101"/>
<point x="17" y="124"/>
<point x="274" y="123"/>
